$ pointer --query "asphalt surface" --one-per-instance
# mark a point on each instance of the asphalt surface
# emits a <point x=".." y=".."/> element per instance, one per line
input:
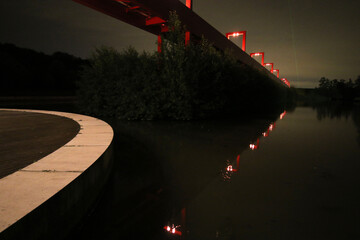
<point x="27" y="137"/>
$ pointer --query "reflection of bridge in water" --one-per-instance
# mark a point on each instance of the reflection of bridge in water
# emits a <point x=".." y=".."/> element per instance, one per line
<point x="152" y="16"/>
<point x="179" y="227"/>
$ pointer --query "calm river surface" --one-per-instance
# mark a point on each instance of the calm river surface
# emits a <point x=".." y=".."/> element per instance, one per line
<point x="294" y="177"/>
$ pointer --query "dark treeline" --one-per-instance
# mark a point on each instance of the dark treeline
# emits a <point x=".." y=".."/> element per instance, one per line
<point x="25" y="72"/>
<point x="339" y="89"/>
<point x="182" y="82"/>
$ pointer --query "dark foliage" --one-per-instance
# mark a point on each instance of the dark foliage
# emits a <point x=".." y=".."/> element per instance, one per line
<point x="27" y="72"/>
<point x="339" y="89"/>
<point x="182" y="82"/>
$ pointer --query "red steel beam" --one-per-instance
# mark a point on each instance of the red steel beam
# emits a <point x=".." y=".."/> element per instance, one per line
<point x="154" y="20"/>
<point x="197" y="26"/>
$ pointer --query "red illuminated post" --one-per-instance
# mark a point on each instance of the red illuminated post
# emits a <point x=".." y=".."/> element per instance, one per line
<point x="187" y="38"/>
<point x="159" y="44"/>
<point x="286" y="81"/>
<point x="265" y="134"/>
<point x="258" y="54"/>
<point x="187" y="34"/>
<point x="189" y="4"/>
<point x="282" y="115"/>
<point x="272" y="66"/>
<point x="272" y="126"/>
<point x="278" y="73"/>
<point x="236" y="34"/>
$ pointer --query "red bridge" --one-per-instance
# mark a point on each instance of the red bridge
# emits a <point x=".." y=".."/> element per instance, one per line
<point x="152" y="16"/>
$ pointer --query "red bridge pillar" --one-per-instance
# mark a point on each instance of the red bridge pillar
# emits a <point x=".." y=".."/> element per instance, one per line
<point x="189" y="4"/>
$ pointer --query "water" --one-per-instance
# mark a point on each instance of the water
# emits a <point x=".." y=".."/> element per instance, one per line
<point x="290" y="178"/>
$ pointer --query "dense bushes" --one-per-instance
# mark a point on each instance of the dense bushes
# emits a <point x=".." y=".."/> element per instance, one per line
<point x="182" y="82"/>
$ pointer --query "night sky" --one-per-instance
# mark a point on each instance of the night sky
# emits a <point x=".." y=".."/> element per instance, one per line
<point x="305" y="39"/>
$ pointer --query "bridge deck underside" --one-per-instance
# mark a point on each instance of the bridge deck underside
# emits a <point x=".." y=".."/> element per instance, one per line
<point x="140" y="13"/>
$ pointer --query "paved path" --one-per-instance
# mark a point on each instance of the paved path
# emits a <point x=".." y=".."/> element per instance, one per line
<point x="26" y="137"/>
<point x="64" y="146"/>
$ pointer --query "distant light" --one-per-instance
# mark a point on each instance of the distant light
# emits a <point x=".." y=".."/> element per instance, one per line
<point x="282" y="115"/>
<point x="229" y="168"/>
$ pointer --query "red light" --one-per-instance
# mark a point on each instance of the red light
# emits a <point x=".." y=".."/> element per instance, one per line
<point x="282" y="115"/>
<point x="189" y="4"/>
<point x="286" y="81"/>
<point x="236" y="34"/>
<point x="258" y="54"/>
<point x="187" y="38"/>
<point x="272" y="66"/>
<point x="276" y="70"/>
<point x="265" y="134"/>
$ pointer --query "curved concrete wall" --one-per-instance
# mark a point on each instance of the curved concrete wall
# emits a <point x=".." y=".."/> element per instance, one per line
<point x="49" y="197"/>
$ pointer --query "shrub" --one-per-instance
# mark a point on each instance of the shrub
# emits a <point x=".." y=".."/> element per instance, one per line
<point x="181" y="82"/>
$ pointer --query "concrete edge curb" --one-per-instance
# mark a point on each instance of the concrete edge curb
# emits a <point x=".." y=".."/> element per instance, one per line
<point x="57" y="184"/>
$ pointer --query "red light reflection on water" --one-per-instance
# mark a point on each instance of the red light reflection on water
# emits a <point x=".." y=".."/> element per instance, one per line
<point x="172" y="229"/>
<point x="255" y="146"/>
<point x="230" y="167"/>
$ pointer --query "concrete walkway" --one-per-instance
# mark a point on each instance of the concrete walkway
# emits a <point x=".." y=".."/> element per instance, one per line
<point x="26" y="137"/>
<point x="26" y="189"/>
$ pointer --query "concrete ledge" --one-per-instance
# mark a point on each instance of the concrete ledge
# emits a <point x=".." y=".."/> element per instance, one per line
<point x="47" y="198"/>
